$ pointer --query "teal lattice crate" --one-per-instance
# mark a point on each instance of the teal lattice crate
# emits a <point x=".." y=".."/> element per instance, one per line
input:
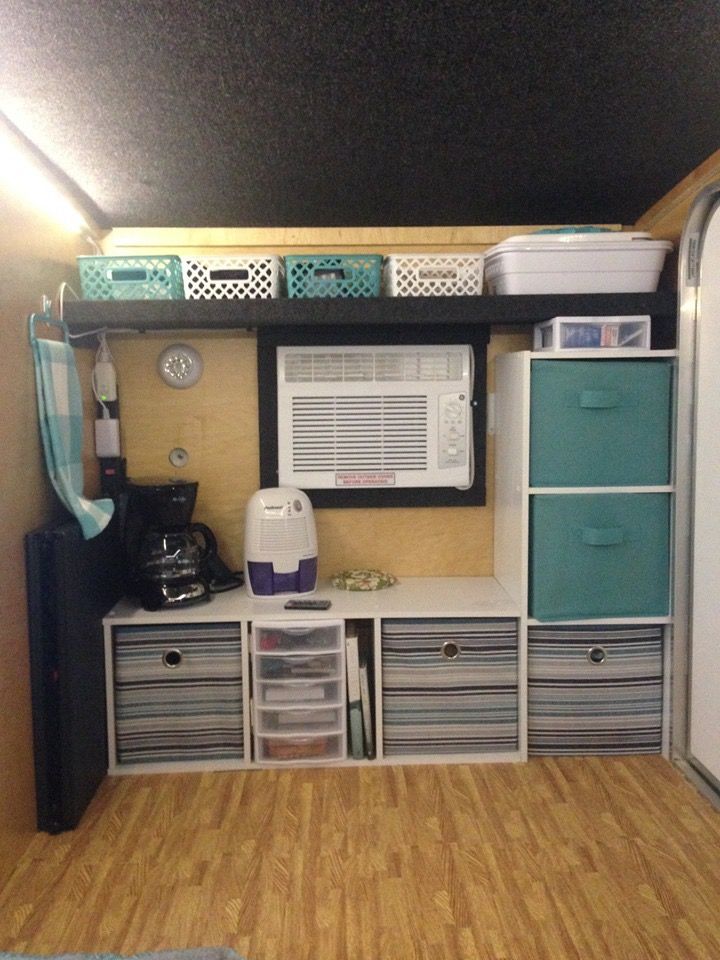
<point x="131" y="278"/>
<point x="331" y="275"/>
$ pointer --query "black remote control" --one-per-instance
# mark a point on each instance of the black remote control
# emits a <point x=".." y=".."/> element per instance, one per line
<point x="309" y="604"/>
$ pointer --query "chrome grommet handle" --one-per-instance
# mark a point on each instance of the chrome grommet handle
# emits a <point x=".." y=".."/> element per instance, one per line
<point x="450" y="650"/>
<point x="172" y="658"/>
<point x="597" y="655"/>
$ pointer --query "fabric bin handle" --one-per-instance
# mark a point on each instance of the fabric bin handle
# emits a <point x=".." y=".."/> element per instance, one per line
<point x="172" y="658"/>
<point x="450" y="650"/>
<point x="601" y="536"/>
<point x="599" y="399"/>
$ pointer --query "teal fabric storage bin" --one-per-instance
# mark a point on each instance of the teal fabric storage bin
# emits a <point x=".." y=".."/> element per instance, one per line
<point x="600" y="423"/>
<point x="599" y="555"/>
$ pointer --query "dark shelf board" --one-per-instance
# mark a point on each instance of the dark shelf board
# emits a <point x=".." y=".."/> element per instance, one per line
<point x="85" y="316"/>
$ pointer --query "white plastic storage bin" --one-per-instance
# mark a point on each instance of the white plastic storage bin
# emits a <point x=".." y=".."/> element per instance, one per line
<point x="231" y="278"/>
<point x="299" y="691"/>
<point x="611" y="262"/>
<point x="433" y="275"/>
<point x="587" y="333"/>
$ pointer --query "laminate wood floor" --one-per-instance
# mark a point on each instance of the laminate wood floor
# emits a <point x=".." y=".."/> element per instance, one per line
<point x="553" y="859"/>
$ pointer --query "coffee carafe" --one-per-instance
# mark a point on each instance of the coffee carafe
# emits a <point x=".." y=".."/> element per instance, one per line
<point x="165" y="550"/>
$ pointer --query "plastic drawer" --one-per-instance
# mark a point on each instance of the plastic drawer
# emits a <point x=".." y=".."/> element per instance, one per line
<point x="298" y="692"/>
<point x="599" y="555"/>
<point x="178" y="692"/>
<point x="450" y="686"/>
<point x="298" y="721"/>
<point x="297" y="637"/>
<point x="298" y="666"/>
<point x="595" y="689"/>
<point x="297" y="749"/>
<point x="600" y="422"/>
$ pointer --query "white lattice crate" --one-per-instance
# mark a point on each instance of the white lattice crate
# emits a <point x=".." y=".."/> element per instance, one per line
<point x="433" y="274"/>
<point x="231" y="278"/>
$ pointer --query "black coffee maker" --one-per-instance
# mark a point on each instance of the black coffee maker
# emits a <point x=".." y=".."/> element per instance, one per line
<point x="172" y="561"/>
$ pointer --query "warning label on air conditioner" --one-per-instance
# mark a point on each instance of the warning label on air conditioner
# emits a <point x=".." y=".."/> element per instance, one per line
<point x="381" y="478"/>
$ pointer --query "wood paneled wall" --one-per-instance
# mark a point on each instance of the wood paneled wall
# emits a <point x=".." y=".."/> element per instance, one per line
<point x="665" y="219"/>
<point x="34" y="257"/>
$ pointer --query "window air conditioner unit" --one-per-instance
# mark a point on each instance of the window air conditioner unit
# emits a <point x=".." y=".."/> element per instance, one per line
<point x="361" y="416"/>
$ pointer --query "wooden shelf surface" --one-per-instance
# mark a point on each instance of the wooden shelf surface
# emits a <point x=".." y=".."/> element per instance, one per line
<point x="85" y="316"/>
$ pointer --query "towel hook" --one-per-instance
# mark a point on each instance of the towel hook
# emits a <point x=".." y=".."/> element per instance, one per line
<point x="47" y="318"/>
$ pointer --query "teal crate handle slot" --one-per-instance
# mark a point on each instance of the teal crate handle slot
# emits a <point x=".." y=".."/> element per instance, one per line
<point x="599" y="399"/>
<point x="330" y="273"/>
<point x="127" y="275"/>
<point x="601" y="536"/>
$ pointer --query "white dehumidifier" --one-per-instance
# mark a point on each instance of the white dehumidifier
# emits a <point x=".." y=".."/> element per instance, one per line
<point x="280" y="543"/>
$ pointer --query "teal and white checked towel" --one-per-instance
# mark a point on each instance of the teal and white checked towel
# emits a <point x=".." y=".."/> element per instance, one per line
<point x="61" y="427"/>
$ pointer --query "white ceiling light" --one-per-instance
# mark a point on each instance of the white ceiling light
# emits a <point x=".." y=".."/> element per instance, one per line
<point x="25" y="176"/>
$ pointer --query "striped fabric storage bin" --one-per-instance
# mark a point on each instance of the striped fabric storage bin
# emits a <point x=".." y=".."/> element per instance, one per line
<point x="595" y="689"/>
<point x="449" y="686"/>
<point x="178" y="692"/>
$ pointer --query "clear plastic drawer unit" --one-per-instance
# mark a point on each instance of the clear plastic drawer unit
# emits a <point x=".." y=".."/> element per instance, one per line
<point x="299" y="700"/>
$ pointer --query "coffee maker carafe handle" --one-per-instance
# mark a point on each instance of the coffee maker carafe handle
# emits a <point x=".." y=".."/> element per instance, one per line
<point x="205" y="539"/>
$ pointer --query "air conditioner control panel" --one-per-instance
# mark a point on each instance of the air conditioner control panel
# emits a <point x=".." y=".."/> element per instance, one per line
<point x="453" y="430"/>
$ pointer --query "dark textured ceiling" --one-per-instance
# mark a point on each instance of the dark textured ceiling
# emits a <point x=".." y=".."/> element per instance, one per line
<point x="268" y="113"/>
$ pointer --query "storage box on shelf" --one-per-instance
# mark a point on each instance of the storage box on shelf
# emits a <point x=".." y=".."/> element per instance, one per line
<point x="433" y="275"/>
<point x="333" y="275"/>
<point x="131" y="278"/>
<point x="231" y="278"/>
<point x="595" y="689"/>
<point x="177" y="692"/>
<point x="449" y="686"/>
<point x="583" y="333"/>
<point x="575" y="262"/>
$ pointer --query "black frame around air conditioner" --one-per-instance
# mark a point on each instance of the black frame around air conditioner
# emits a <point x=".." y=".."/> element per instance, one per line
<point x="268" y="338"/>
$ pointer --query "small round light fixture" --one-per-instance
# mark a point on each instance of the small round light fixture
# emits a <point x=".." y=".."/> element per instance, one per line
<point x="180" y="366"/>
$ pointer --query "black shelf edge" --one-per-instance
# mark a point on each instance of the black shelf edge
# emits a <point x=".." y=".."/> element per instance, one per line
<point x="84" y="316"/>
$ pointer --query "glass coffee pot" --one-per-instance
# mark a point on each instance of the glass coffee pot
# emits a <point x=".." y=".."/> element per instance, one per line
<point x="169" y="565"/>
<point x="165" y="550"/>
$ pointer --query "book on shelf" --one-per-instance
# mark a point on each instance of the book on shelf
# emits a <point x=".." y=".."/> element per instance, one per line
<point x="366" y="706"/>
<point x="352" y="663"/>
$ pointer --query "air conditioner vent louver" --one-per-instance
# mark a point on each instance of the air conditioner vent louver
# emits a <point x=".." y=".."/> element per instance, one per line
<point x="338" y="367"/>
<point x="359" y="433"/>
